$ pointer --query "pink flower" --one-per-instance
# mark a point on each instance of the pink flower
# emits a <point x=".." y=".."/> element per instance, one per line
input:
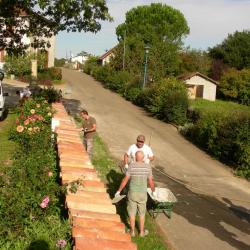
<point x="26" y="122"/>
<point x="44" y="202"/>
<point x="61" y="243"/>
<point x="50" y="174"/>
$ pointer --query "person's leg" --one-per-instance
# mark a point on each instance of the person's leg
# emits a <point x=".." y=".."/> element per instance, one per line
<point x="142" y="221"/>
<point x="132" y="224"/>
<point x="142" y="201"/>
<point x="90" y="147"/>
<point x="85" y="143"/>
<point x="132" y="207"/>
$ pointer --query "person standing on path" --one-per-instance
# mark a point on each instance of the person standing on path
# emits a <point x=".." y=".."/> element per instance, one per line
<point x="89" y="129"/>
<point x="138" y="146"/>
<point x="138" y="173"/>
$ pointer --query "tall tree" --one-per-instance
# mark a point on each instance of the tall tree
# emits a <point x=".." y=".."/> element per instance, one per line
<point x="193" y="60"/>
<point x="159" y="26"/>
<point x="44" y="18"/>
<point x="234" y="50"/>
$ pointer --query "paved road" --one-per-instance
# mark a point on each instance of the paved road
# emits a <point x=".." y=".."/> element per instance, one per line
<point x="213" y="211"/>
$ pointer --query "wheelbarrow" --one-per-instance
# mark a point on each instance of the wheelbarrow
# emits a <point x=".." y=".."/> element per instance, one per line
<point x="162" y="202"/>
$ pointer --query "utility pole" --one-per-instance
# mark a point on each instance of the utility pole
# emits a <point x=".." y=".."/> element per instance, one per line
<point x="145" y="66"/>
<point x="124" y="51"/>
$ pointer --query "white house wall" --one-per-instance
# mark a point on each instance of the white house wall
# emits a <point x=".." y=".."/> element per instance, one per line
<point x="209" y="91"/>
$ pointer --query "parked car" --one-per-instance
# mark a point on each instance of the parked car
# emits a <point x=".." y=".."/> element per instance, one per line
<point x="2" y="96"/>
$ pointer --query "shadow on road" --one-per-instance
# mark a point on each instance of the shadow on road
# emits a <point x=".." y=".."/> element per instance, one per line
<point x="208" y="212"/>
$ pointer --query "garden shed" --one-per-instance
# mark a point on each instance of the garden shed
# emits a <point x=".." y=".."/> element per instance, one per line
<point x="200" y="85"/>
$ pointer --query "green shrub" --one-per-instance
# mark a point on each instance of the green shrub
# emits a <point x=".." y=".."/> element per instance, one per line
<point x="29" y="190"/>
<point x="235" y="86"/>
<point x="167" y="100"/>
<point x="48" y="75"/>
<point x="132" y="94"/>
<point x="49" y="93"/>
<point x="102" y="73"/>
<point x="223" y="129"/>
<point x="21" y="65"/>
<point x="90" y="64"/>
<point x="118" y="81"/>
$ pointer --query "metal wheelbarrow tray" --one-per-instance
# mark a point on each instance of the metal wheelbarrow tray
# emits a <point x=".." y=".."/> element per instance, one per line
<point x="162" y="203"/>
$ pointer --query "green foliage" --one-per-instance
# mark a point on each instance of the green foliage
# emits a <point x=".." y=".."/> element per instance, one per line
<point x="195" y="61"/>
<point x="46" y="76"/>
<point x="235" y="86"/>
<point x="49" y="93"/>
<point x="60" y="62"/>
<point x="47" y="18"/>
<point x="21" y="65"/>
<point x="223" y="129"/>
<point x="234" y="50"/>
<point x="118" y="81"/>
<point x="17" y="65"/>
<point x="168" y="100"/>
<point x="157" y="25"/>
<point x="28" y="189"/>
<point x="90" y="64"/>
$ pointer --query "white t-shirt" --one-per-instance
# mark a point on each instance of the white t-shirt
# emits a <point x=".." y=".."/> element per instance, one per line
<point x="145" y="149"/>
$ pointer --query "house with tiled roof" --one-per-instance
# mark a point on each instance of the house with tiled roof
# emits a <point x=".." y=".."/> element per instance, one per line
<point x="106" y="57"/>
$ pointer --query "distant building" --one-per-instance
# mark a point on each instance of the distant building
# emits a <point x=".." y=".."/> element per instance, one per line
<point x="106" y="57"/>
<point x="200" y="85"/>
<point x="81" y="58"/>
<point x="50" y="52"/>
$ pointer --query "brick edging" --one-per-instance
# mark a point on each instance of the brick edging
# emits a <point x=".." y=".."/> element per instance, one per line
<point x="95" y="224"/>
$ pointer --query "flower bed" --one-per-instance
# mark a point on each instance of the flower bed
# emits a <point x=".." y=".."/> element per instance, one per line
<point x="31" y="199"/>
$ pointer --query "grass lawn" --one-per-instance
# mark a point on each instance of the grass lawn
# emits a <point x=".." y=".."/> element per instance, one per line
<point x="6" y="146"/>
<point x="219" y="106"/>
<point x="112" y="176"/>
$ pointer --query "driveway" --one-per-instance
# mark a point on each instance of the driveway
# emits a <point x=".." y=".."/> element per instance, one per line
<point x="213" y="209"/>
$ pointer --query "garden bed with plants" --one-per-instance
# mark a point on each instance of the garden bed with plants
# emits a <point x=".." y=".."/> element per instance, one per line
<point x="32" y="213"/>
<point x="20" y="67"/>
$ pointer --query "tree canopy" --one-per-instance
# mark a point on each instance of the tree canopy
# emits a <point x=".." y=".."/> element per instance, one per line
<point x="234" y="50"/>
<point x="44" y="18"/>
<point x="159" y="26"/>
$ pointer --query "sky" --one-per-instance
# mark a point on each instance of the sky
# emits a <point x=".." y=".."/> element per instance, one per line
<point x="210" y="22"/>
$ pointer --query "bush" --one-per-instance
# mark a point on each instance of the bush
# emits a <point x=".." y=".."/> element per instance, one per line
<point x="223" y="129"/>
<point x="90" y="64"/>
<point x="118" y="81"/>
<point x="132" y="94"/>
<point x="235" y="86"/>
<point x="50" y="93"/>
<point x="168" y="100"/>
<point x="28" y="188"/>
<point x="21" y="65"/>
<point x="48" y="75"/>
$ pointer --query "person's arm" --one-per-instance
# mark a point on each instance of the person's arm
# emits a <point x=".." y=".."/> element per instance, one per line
<point x="151" y="156"/>
<point x="122" y="185"/>
<point x="125" y="159"/>
<point x="92" y="129"/>
<point x="151" y="183"/>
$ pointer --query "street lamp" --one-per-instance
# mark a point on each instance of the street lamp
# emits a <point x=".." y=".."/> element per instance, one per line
<point x="146" y="48"/>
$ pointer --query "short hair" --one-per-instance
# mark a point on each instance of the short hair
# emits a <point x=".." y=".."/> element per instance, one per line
<point x="141" y="138"/>
<point x="85" y="112"/>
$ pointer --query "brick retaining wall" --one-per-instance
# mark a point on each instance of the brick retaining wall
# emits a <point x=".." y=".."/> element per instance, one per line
<point x="95" y="224"/>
